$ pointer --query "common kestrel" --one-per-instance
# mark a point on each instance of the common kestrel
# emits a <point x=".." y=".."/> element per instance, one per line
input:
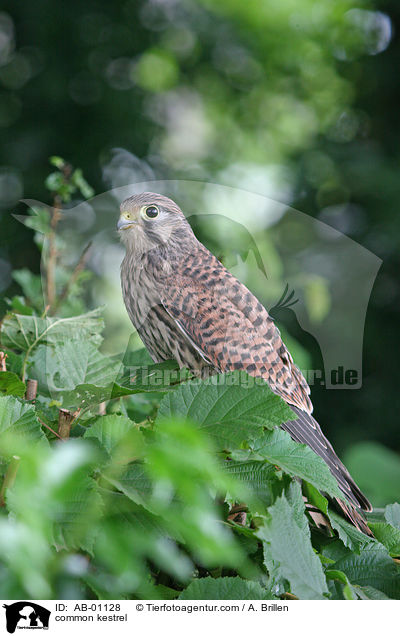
<point x="187" y="306"/>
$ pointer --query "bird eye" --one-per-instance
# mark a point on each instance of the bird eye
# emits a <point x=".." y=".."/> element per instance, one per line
<point x="152" y="212"/>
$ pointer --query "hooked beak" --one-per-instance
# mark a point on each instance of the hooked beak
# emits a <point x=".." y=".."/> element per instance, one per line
<point x="124" y="224"/>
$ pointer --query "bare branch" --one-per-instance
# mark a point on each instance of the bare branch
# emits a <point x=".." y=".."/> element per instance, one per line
<point x="52" y="260"/>
<point x="31" y="390"/>
<point x="65" y="419"/>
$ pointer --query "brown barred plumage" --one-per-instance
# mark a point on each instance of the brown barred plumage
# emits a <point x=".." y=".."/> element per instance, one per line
<point x="187" y="306"/>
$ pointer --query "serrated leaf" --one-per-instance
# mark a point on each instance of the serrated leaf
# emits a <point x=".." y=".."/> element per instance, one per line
<point x="26" y="332"/>
<point x="386" y="534"/>
<point x="260" y="477"/>
<point x="230" y="408"/>
<point x="334" y="550"/>
<point x="291" y="550"/>
<point x="62" y="367"/>
<point x="134" y="483"/>
<point x="368" y="593"/>
<point x="297" y="460"/>
<point x="348" y="534"/>
<point x="294" y="497"/>
<point x="392" y="515"/>
<point x="110" y="430"/>
<point x="10" y="384"/>
<point x="18" y="423"/>
<point x="224" y="588"/>
<point x="372" y="567"/>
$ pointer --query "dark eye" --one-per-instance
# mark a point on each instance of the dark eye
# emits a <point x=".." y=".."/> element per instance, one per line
<point x="151" y="212"/>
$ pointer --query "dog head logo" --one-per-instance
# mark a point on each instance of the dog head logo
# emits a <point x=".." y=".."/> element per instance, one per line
<point x="26" y="615"/>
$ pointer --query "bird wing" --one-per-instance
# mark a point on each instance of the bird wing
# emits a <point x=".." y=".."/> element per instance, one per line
<point x="231" y="329"/>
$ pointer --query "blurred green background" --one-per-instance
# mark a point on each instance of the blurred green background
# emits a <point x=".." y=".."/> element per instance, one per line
<point x="295" y="100"/>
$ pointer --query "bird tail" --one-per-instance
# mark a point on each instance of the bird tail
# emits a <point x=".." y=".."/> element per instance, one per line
<point x="351" y="514"/>
<point x="306" y="430"/>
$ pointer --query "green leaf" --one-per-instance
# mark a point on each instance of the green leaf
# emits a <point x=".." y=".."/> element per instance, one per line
<point x="18" y="305"/>
<point x="297" y="460"/>
<point x="26" y="332"/>
<point x="348" y="534"/>
<point x="31" y="286"/>
<point x="80" y="182"/>
<point x="348" y="590"/>
<point x="230" y="407"/>
<point x="111" y="430"/>
<point x="134" y="483"/>
<point x="18" y="423"/>
<point x="259" y="477"/>
<point x="392" y="515"/>
<point x="225" y="588"/>
<point x="372" y="567"/>
<point x="38" y="219"/>
<point x="290" y="547"/>
<point x="315" y="498"/>
<point x="166" y="593"/>
<point x="368" y="593"/>
<point x="137" y="358"/>
<point x="57" y="162"/>
<point x="10" y="384"/>
<point x="387" y="535"/>
<point x="63" y="366"/>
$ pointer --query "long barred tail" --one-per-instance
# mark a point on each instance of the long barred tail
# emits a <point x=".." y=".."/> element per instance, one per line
<point x="306" y="430"/>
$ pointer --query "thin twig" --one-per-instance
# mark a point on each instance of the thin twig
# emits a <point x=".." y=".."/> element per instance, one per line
<point x="9" y="477"/>
<point x="78" y="268"/>
<point x="287" y="596"/>
<point x="51" y="263"/>
<point x="66" y="171"/>
<point x="50" y="429"/>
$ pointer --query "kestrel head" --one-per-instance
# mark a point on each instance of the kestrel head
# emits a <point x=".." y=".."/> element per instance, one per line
<point x="149" y="219"/>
